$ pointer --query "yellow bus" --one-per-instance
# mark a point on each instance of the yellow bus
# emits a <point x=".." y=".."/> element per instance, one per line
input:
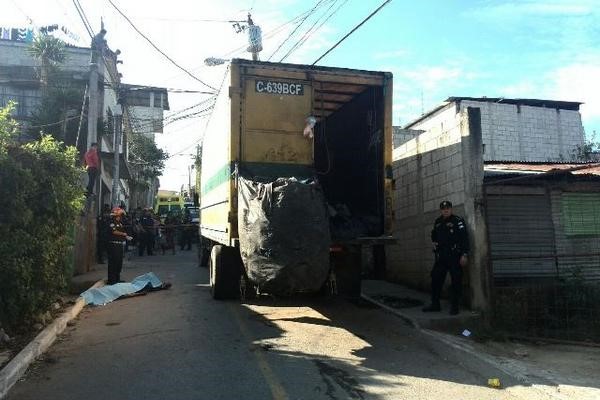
<point x="168" y="201"/>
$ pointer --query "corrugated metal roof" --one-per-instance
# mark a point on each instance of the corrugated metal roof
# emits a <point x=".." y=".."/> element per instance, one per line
<point x="542" y="168"/>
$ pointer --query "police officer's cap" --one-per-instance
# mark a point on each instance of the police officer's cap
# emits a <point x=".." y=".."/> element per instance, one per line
<point x="445" y="204"/>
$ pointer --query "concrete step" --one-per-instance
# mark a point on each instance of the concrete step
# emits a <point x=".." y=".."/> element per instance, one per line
<point x="408" y="303"/>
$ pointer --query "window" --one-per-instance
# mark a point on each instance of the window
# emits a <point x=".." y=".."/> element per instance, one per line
<point x="581" y="213"/>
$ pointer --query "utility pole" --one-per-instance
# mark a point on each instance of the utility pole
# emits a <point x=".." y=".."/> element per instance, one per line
<point x="92" y="134"/>
<point x="189" y="180"/>
<point x="116" y="143"/>
<point x="254" y="38"/>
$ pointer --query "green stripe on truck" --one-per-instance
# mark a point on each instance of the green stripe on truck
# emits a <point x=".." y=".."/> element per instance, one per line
<point x="254" y="170"/>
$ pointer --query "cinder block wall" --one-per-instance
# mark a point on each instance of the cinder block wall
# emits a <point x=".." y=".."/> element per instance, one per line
<point x="427" y="170"/>
<point x="442" y="163"/>
<point x="525" y="133"/>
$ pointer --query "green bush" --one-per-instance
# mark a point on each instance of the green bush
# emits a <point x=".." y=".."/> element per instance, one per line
<point x="40" y="196"/>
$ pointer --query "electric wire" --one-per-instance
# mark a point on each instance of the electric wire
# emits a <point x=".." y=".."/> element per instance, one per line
<point x="157" y="48"/>
<point x="385" y="3"/>
<point x="83" y="18"/>
<point x="312" y="30"/>
<point x="298" y="25"/>
<point x="207" y="122"/>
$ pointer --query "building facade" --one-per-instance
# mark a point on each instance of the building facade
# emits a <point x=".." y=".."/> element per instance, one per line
<point x="450" y="157"/>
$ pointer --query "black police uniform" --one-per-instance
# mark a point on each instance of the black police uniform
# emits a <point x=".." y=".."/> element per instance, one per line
<point x="103" y="223"/>
<point x="115" y="251"/>
<point x="186" y="232"/>
<point x="147" y="236"/>
<point x="453" y="242"/>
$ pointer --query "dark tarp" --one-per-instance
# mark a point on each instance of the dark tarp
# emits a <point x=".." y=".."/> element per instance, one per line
<point x="284" y="235"/>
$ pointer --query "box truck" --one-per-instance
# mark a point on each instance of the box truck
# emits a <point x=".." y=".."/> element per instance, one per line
<point x="296" y="162"/>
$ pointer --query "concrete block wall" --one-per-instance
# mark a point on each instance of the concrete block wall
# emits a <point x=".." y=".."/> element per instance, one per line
<point x="526" y="133"/>
<point x="427" y="170"/>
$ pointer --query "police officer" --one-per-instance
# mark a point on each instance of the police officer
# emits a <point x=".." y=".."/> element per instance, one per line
<point x="147" y="233"/>
<point x="451" y="247"/>
<point x="102" y="224"/>
<point x="187" y="230"/>
<point x="116" y="237"/>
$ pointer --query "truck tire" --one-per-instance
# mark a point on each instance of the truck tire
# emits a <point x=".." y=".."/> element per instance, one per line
<point x="225" y="272"/>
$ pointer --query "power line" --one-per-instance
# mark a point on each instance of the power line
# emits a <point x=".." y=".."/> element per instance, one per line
<point x="267" y="35"/>
<point x="54" y="123"/>
<point x="207" y="122"/>
<point x="312" y="29"/>
<point x="224" y="21"/>
<point x="83" y="18"/>
<point x="157" y="49"/>
<point x="171" y="90"/>
<point x="385" y="3"/>
<point x="310" y="12"/>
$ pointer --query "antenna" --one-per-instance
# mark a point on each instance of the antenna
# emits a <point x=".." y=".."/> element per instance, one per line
<point x="422" y="103"/>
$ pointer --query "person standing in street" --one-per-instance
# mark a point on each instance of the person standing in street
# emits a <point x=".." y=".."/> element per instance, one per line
<point x="186" y="230"/>
<point x="451" y="247"/>
<point x="92" y="163"/>
<point x="116" y="238"/>
<point x="147" y="233"/>
<point x="102" y="225"/>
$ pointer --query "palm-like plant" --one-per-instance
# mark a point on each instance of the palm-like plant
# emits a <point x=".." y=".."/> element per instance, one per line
<point x="50" y="51"/>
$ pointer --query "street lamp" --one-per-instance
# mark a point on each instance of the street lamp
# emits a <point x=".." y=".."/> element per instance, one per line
<point x="213" y="61"/>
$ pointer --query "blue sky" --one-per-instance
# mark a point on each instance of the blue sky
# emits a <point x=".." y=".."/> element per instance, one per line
<point x="435" y="48"/>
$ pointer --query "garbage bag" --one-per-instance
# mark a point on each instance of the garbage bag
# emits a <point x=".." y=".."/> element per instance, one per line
<point x="284" y="235"/>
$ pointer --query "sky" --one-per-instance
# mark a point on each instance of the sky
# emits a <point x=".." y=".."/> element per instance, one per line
<point x="435" y="49"/>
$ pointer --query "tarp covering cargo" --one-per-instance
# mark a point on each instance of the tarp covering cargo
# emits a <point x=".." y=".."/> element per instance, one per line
<point x="284" y="235"/>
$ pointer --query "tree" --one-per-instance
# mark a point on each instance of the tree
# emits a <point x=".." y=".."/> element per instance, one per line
<point x="51" y="52"/>
<point x="51" y="114"/>
<point x="59" y="94"/>
<point x="588" y="151"/>
<point x="148" y="159"/>
<point x="40" y="195"/>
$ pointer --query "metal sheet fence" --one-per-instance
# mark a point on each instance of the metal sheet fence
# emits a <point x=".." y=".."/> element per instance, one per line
<point x="545" y="260"/>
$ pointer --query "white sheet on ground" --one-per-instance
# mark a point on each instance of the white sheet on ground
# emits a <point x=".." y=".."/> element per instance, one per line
<point x="106" y="294"/>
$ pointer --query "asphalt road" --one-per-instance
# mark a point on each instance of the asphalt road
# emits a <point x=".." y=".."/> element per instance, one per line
<point x="181" y="344"/>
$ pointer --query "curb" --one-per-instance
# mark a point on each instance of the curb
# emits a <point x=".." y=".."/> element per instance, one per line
<point x="411" y="321"/>
<point x="509" y="367"/>
<point x="14" y="370"/>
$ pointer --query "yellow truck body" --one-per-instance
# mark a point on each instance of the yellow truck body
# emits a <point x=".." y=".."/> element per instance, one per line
<point x="257" y="130"/>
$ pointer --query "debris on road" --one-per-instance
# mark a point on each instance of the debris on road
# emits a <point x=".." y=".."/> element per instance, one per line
<point x="521" y="352"/>
<point x="140" y="285"/>
<point x="494" y="383"/>
<point x="4" y="337"/>
<point x="466" y="333"/>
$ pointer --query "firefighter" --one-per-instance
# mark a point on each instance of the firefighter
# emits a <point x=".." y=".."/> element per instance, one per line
<point x="451" y="247"/>
<point x="116" y="239"/>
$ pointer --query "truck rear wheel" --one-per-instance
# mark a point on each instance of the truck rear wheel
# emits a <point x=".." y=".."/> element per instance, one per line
<point x="225" y="273"/>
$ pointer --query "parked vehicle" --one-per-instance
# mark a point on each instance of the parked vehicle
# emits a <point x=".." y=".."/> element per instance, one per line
<point x="331" y="127"/>
<point x="166" y="203"/>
